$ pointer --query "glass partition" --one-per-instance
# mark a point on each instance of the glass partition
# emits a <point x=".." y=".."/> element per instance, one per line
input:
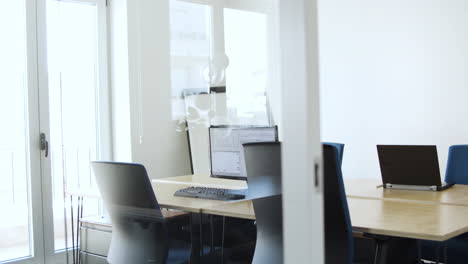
<point x="221" y="57"/>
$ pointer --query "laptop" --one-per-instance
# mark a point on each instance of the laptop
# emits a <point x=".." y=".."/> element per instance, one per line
<point x="410" y="167"/>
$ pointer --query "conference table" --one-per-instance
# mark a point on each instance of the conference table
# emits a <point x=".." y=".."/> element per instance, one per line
<point x="427" y="215"/>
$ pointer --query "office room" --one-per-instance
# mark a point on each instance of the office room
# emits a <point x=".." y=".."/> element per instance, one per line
<point x="234" y="131"/>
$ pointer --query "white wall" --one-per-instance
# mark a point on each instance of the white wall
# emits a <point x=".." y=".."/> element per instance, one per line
<point x="393" y="72"/>
<point x="141" y="86"/>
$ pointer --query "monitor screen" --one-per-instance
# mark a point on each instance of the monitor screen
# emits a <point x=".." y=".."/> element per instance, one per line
<point x="227" y="155"/>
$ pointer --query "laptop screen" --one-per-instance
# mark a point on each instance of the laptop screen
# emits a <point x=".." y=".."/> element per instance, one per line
<point x="226" y="151"/>
<point x="409" y="165"/>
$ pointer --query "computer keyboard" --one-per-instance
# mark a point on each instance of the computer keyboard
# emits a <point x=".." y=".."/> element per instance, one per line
<point x="210" y="193"/>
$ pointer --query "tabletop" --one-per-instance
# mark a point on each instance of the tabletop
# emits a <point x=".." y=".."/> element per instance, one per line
<point x="416" y="220"/>
<point x="393" y="218"/>
<point x="367" y="188"/>
<point x="434" y="216"/>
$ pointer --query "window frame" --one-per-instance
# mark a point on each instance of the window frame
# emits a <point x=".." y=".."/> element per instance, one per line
<point x="268" y="8"/>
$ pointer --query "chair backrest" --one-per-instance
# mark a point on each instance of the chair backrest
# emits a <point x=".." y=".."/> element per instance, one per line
<point x="263" y="166"/>
<point x="457" y="165"/>
<point x="139" y="233"/>
<point x="340" y="149"/>
<point x="124" y="185"/>
<point x="338" y="230"/>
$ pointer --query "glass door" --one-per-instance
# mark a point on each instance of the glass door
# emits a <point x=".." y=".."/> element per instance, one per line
<point x="21" y="224"/>
<point x="55" y="119"/>
<point x="77" y="115"/>
<point x="77" y="108"/>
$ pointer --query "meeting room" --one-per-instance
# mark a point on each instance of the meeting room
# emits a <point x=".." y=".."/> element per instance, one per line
<point x="234" y="131"/>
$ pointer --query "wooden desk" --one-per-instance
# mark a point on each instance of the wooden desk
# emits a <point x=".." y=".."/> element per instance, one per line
<point x="391" y="218"/>
<point x="165" y="189"/>
<point x="408" y="219"/>
<point x="366" y="188"/>
<point x="379" y="211"/>
<point x="243" y="209"/>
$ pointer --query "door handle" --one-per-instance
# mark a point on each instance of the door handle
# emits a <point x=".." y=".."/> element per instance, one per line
<point x="316" y="175"/>
<point x="44" y="144"/>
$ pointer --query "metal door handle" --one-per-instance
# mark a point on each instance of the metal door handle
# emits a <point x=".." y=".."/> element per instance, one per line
<point x="316" y="175"/>
<point x="44" y="144"/>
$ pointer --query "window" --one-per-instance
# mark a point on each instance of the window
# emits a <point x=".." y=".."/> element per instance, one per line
<point x="214" y="45"/>
<point x="16" y="230"/>
<point x="246" y="36"/>
<point x="77" y="108"/>
<point x="190" y="26"/>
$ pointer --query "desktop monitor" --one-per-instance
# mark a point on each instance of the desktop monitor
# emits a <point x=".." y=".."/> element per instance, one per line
<point x="226" y="151"/>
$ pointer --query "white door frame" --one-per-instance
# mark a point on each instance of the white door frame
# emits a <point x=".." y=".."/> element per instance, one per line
<point x="302" y="152"/>
<point x="35" y="185"/>
<point x="46" y="183"/>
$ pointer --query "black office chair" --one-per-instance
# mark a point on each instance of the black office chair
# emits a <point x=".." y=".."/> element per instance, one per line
<point x="139" y="230"/>
<point x="263" y="166"/>
<point x="339" y="244"/>
<point x="339" y="148"/>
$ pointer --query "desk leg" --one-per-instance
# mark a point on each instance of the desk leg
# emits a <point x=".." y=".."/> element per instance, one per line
<point x="200" y="224"/>
<point x="419" y="251"/>
<point x="212" y="247"/>
<point x="195" y="237"/>
<point x="442" y="248"/>
<point x="445" y="252"/>
<point x="222" y="240"/>
<point x="396" y="250"/>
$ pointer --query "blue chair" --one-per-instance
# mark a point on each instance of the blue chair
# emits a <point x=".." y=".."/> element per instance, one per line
<point x="457" y="165"/>
<point x="339" y="147"/>
<point x="456" y="173"/>
<point x="339" y="242"/>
